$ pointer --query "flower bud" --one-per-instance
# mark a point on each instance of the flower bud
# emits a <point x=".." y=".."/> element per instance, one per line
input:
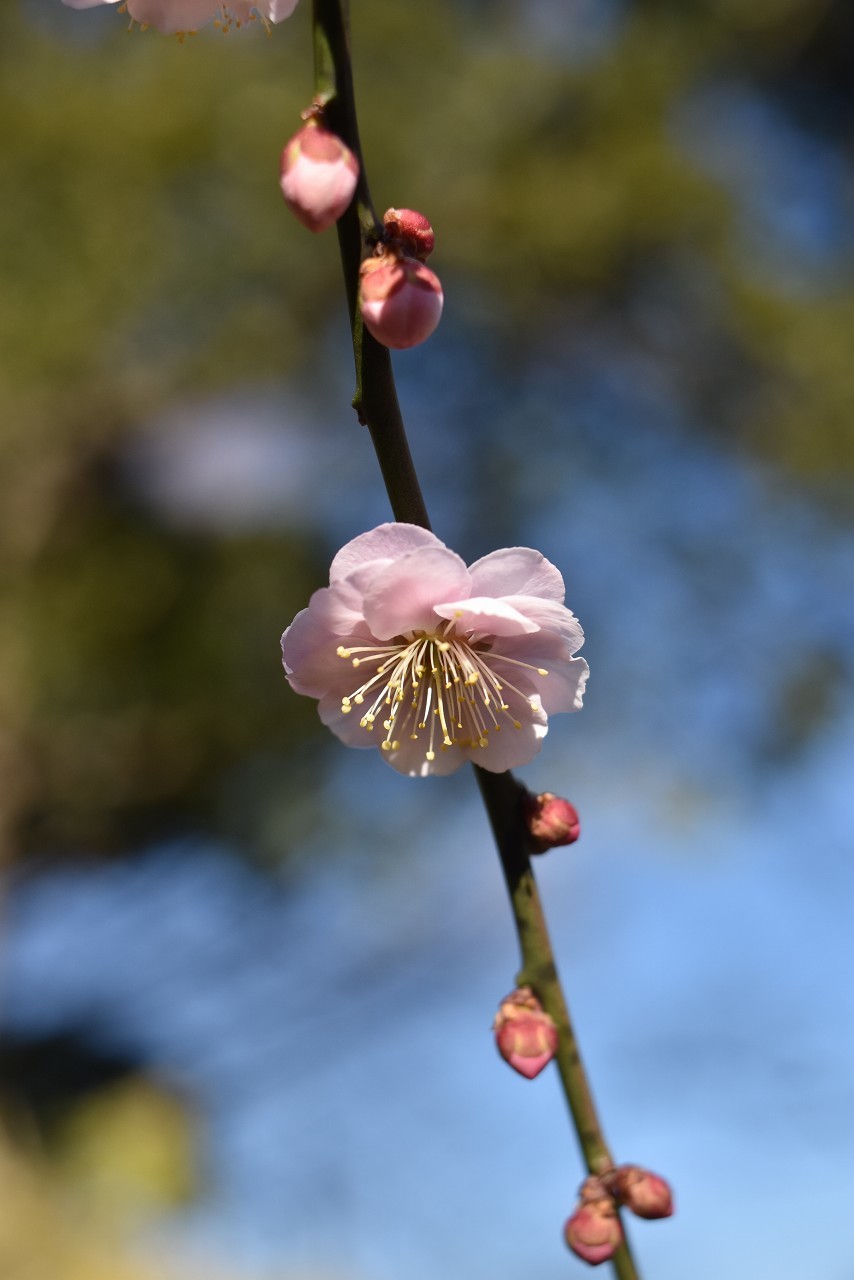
<point x="551" y="821"/>
<point x="401" y="300"/>
<point x="525" y="1035"/>
<point x="645" y="1193"/>
<point x="411" y="231"/>
<point x="594" y="1232"/>
<point x="318" y="176"/>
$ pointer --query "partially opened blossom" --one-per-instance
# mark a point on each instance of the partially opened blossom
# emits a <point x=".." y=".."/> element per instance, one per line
<point x="171" y="16"/>
<point x="594" y="1231"/>
<point x="435" y="663"/>
<point x="525" y="1035"/>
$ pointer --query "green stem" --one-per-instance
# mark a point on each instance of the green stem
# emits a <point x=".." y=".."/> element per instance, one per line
<point x="503" y="798"/>
<point x="377" y="406"/>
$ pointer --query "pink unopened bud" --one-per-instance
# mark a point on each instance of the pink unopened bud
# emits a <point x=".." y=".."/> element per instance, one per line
<point x="401" y="300"/>
<point x="411" y="231"/>
<point x="551" y="821"/>
<point x="645" y="1193"/>
<point x="525" y="1035"/>
<point x="318" y="176"/>
<point x="594" y="1232"/>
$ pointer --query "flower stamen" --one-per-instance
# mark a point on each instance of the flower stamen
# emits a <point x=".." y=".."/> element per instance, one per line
<point x="438" y="684"/>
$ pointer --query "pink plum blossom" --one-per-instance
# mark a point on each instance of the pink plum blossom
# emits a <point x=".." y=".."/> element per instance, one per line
<point x="172" y="16"/>
<point x="435" y="663"/>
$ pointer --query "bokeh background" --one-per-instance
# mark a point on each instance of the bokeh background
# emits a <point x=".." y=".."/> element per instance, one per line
<point x="247" y="975"/>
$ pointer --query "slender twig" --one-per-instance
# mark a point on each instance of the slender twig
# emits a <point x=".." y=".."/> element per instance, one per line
<point x="375" y="399"/>
<point x="503" y="798"/>
<point x="378" y="408"/>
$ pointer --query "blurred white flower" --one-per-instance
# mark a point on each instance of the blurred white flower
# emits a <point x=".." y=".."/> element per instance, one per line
<point x="173" y="16"/>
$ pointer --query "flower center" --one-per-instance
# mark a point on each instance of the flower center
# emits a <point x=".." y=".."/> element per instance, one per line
<point x="224" y="22"/>
<point x="436" y="687"/>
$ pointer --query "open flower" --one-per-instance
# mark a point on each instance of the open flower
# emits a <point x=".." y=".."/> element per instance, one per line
<point x="171" y="16"/>
<point x="435" y="663"/>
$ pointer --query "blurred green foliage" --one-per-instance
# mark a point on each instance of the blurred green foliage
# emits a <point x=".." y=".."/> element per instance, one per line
<point x="68" y="1214"/>
<point x="146" y="257"/>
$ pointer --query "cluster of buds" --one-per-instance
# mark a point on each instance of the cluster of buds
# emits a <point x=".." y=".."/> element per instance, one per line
<point x="525" y="1035"/>
<point x="550" y="821"/>
<point x="400" y="298"/>
<point x="318" y="174"/>
<point x="594" y="1231"/>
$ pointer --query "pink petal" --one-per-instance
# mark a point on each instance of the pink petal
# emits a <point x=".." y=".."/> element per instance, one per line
<point x="347" y="727"/>
<point x="272" y="10"/>
<point x="87" y="4"/>
<point x="563" y="688"/>
<point x="310" y="645"/>
<point x="550" y="616"/>
<point x="386" y="542"/>
<point x="170" y="16"/>
<point x="517" y="571"/>
<point x="404" y="593"/>
<point x="530" y="1067"/>
<point x="277" y="10"/>
<point x="509" y="748"/>
<point x="410" y="760"/>
<point x="486" y="616"/>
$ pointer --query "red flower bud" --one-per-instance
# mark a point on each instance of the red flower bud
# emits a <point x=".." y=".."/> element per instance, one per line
<point x="645" y="1193"/>
<point x="594" y="1232"/>
<point x="401" y="300"/>
<point x="551" y="821"/>
<point x="525" y="1035"/>
<point x="411" y="231"/>
<point x="318" y="176"/>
